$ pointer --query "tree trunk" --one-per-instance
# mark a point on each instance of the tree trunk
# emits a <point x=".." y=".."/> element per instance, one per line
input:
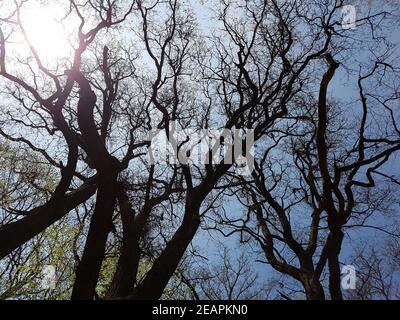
<point x="89" y="267"/>
<point x="314" y="291"/>
<point x="15" y="234"/>
<point x="334" y="246"/>
<point x="124" y="277"/>
<point x="165" y="265"/>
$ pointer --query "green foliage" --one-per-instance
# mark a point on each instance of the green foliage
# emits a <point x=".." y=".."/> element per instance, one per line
<point x="23" y="176"/>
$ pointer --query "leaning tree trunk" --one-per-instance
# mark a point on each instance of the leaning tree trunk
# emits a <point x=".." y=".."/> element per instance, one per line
<point x="165" y="265"/>
<point x="89" y="267"/>
<point x="15" y="234"/>
<point x="107" y="168"/>
<point x="125" y="274"/>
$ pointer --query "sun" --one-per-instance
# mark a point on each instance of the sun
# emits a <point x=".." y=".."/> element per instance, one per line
<point x="46" y="29"/>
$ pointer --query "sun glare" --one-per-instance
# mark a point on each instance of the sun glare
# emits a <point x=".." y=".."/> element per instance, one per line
<point x="46" y="30"/>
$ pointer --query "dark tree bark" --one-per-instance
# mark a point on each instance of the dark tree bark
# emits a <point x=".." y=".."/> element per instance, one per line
<point x="39" y="219"/>
<point x="107" y="167"/>
<point x="89" y="267"/>
<point x="335" y="237"/>
<point x="334" y="247"/>
<point x="125" y="275"/>
<point x="165" y="265"/>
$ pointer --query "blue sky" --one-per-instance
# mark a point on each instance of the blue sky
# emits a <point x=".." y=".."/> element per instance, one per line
<point x="343" y="87"/>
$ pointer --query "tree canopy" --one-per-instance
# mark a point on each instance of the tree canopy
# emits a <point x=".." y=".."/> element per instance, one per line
<point x="307" y="90"/>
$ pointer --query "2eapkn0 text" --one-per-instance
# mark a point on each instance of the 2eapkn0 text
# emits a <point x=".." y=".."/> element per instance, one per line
<point x="200" y="309"/>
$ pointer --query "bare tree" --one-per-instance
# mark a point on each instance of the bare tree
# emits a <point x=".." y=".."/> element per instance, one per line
<point x="137" y="66"/>
<point x="315" y="169"/>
